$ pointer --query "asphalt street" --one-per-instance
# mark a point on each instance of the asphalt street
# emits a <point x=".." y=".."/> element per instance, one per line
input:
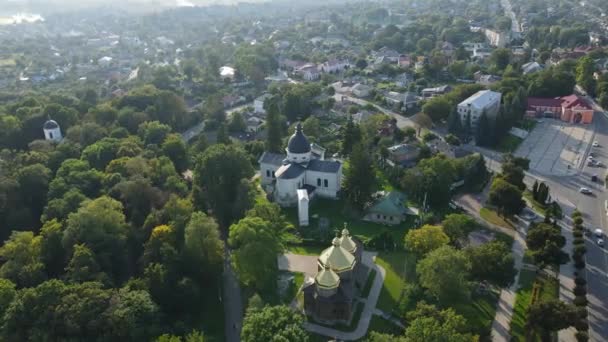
<point x="565" y="190"/>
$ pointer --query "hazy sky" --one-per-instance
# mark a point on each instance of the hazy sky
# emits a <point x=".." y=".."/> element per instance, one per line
<point x="61" y="5"/>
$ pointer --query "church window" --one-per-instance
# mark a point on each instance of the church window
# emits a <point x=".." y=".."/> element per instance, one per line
<point x="273" y="174"/>
<point x="326" y="183"/>
<point x="51" y="135"/>
<point x="267" y="173"/>
<point x="318" y="181"/>
<point x="378" y="216"/>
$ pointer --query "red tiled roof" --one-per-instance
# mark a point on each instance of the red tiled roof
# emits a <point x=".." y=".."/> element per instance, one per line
<point x="569" y="101"/>
<point x="543" y="102"/>
<point x="573" y="100"/>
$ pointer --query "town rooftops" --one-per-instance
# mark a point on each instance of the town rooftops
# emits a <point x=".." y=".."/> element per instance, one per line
<point x="481" y="99"/>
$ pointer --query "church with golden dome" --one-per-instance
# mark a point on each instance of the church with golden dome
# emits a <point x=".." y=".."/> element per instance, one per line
<point x="330" y="298"/>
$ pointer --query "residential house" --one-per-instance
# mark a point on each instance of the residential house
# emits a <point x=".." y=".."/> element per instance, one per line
<point x="227" y="73"/>
<point x="389" y="55"/>
<point x="309" y="72"/>
<point x="362" y="116"/>
<point x="404" y="61"/>
<point x="496" y="38"/>
<point x="531" y="67"/>
<point x="290" y="64"/>
<point x="232" y="100"/>
<point x="258" y="103"/>
<point x="437" y="91"/>
<point x="334" y="66"/>
<point x="394" y="99"/>
<point x="404" y="155"/>
<point x="389" y="208"/>
<point x="482" y="53"/>
<point x="471" y="47"/>
<point x="254" y="124"/>
<point x="487" y="80"/>
<point x="571" y="108"/>
<point x="361" y="90"/>
<point x="403" y="80"/>
<point x="484" y="101"/>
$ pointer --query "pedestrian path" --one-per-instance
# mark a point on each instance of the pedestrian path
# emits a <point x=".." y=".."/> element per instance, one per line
<point x="504" y="311"/>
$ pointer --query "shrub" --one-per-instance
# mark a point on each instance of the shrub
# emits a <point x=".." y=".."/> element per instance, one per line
<point x="581" y="325"/>
<point x="580" y="290"/>
<point x="579" y="250"/>
<point x="579" y="264"/>
<point x="578" y="237"/>
<point x="580" y="301"/>
<point x="580" y="281"/>
<point x="582" y="336"/>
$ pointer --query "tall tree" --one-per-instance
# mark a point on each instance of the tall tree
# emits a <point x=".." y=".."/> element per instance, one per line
<point x="427" y="323"/>
<point x="492" y="262"/>
<point x="203" y="247"/>
<point x="457" y="226"/>
<point x="483" y="134"/>
<point x="425" y="239"/>
<point x="273" y="323"/>
<point x="546" y="243"/>
<point x="255" y="249"/>
<point x="506" y="197"/>
<point x="21" y="256"/>
<point x="359" y="178"/>
<point x="218" y="174"/>
<point x="585" y="68"/>
<point x="100" y="225"/>
<point x="551" y="316"/>
<point x="351" y="136"/>
<point x="274" y="131"/>
<point x="444" y="272"/>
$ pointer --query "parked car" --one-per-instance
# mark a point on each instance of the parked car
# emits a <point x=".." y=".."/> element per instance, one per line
<point x="598" y="232"/>
<point x="596" y="144"/>
<point x="600" y="242"/>
<point x="585" y="191"/>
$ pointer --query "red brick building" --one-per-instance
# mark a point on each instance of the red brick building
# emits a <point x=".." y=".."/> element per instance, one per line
<point x="571" y="108"/>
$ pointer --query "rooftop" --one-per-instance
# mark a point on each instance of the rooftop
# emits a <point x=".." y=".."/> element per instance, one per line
<point x="482" y="99"/>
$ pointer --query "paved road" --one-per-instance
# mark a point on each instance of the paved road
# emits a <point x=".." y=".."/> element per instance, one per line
<point x="564" y="190"/>
<point x="402" y="121"/>
<point x="515" y="26"/>
<point x="233" y="304"/>
<point x="368" y="310"/>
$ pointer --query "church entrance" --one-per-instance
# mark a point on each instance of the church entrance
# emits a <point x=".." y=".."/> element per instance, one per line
<point x="578" y="117"/>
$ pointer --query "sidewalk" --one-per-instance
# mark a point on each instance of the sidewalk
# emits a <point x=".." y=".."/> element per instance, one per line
<point x="368" y="310"/>
<point x="566" y="283"/>
<point x="504" y="311"/>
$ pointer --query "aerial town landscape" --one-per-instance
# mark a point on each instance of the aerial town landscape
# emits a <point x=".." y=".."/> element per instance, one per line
<point x="340" y="170"/>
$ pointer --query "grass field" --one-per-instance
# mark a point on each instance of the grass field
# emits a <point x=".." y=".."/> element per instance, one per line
<point x="535" y="205"/>
<point x="522" y="301"/>
<point x="399" y="267"/>
<point x="549" y="289"/>
<point x="479" y="312"/>
<point x="337" y="213"/>
<point x="491" y="216"/>
<point x="509" y="144"/>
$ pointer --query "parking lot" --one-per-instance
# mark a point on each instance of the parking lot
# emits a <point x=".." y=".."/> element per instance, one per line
<point x="555" y="147"/>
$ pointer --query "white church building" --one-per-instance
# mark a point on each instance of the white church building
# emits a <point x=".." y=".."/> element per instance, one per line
<point x="303" y="168"/>
<point x="52" y="131"/>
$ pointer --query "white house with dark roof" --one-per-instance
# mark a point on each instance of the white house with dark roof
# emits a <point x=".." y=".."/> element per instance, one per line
<point x="303" y="167"/>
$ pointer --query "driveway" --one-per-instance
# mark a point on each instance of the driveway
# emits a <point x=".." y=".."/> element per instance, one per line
<point x="306" y="264"/>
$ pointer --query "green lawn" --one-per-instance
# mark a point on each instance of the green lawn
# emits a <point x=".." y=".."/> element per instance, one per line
<point x="535" y="205"/>
<point x="368" y="284"/>
<point x="509" y="144"/>
<point x="399" y="266"/>
<point x="338" y="213"/>
<point x="522" y="301"/>
<point x="491" y="216"/>
<point x="479" y="312"/>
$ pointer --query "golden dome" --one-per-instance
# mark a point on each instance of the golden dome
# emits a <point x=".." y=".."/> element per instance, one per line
<point x="338" y="257"/>
<point x="347" y="242"/>
<point x="327" y="279"/>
